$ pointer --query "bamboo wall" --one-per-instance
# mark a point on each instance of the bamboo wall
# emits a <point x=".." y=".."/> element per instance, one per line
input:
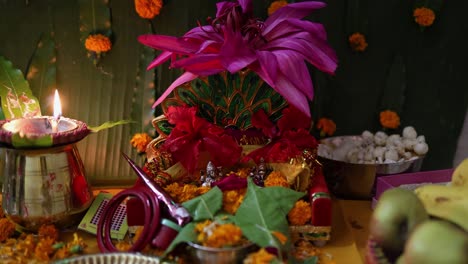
<point x="421" y="74"/>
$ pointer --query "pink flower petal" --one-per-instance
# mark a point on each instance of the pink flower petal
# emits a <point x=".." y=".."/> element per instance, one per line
<point x="235" y="54"/>
<point x="185" y="77"/>
<point x="201" y="64"/>
<point x="168" y="43"/>
<point x="293" y="67"/>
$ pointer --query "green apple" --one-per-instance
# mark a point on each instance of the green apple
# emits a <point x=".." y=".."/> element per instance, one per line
<point x="397" y="213"/>
<point x="437" y="241"/>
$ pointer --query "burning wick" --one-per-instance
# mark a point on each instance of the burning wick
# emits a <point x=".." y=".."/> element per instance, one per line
<point x="57" y="112"/>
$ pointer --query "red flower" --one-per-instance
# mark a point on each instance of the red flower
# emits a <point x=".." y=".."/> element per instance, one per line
<point x="288" y="138"/>
<point x="193" y="135"/>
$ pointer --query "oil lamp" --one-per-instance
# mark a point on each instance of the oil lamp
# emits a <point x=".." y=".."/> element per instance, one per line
<point x="44" y="180"/>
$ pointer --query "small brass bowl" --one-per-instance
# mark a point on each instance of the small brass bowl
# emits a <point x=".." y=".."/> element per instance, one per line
<point x="201" y="254"/>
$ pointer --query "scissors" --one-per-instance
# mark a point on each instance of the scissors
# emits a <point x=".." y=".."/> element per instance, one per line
<point x="158" y="207"/>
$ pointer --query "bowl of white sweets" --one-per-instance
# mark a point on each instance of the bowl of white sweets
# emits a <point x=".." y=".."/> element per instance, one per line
<point x="351" y="164"/>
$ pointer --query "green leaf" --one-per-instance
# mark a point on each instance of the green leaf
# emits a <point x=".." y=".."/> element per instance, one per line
<point x="16" y="96"/>
<point x="205" y="206"/>
<point x="110" y="124"/>
<point x="41" y="72"/>
<point x="25" y="142"/>
<point x="264" y="211"/>
<point x="186" y="234"/>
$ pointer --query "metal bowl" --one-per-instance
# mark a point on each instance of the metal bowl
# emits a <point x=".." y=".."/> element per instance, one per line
<point x="201" y="254"/>
<point x="111" y="258"/>
<point x="357" y="180"/>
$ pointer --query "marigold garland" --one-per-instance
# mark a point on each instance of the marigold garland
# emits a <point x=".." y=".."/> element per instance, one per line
<point x="232" y="199"/>
<point x="259" y="257"/>
<point x="300" y="214"/>
<point x="140" y="141"/>
<point x="358" y="42"/>
<point x="148" y="8"/>
<point x="98" y="43"/>
<point x="213" y="234"/>
<point x="7" y="229"/>
<point x="389" y="119"/>
<point x="326" y="126"/>
<point x="182" y="193"/>
<point x="276" y="178"/>
<point x="275" y="5"/>
<point x="424" y="16"/>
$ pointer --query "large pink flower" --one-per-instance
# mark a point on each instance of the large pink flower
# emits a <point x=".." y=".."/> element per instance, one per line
<point x="275" y="49"/>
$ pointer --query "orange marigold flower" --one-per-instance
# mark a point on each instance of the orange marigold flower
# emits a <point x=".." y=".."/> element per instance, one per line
<point x="276" y="5"/>
<point x="44" y="248"/>
<point x="260" y="257"/>
<point x="148" y="8"/>
<point x="232" y="199"/>
<point x="140" y="141"/>
<point x="276" y="178"/>
<point x="7" y="229"/>
<point x="224" y="235"/>
<point x="424" y="16"/>
<point x="98" y="43"/>
<point x="358" y="42"/>
<point x="300" y="214"/>
<point x="389" y="119"/>
<point x="48" y="231"/>
<point x="326" y="126"/>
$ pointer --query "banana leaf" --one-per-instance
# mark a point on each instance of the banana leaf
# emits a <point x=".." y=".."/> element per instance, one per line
<point x="142" y="111"/>
<point x="41" y="72"/>
<point x="16" y="96"/>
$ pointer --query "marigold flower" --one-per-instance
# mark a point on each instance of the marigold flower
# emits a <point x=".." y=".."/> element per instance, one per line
<point x="44" y="248"/>
<point x="232" y="199"/>
<point x="148" y="8"/>
<point x="7" y="229"/>
<point x="326" y="126"/>
<point x="424" y="16"/>
<point x="275" y="5"/>
<point x="389" y="119"/>
<point x="225" y="235"/>
<point x="48" y="231"/>
<point x="357" y="42"/>
<point x="184" y="192"/>
<point x="276" y="178"/>
<point x="98" y="43"/>
<point x="260" y="257"/>
<point x="300" y="214"/>
<point x="140" y="141"/>
<point x="280" y="236"/>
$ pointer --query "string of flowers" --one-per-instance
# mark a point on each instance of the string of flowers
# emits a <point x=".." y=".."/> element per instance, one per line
<point x="326" y="126"/>
<point x="389" y="119"/>
<point x="358" y="42"/>
<point x="275" y="5"/>
<point x="424" y="16"/>
<point x="98" y="43"/>
<point x="148" y="9"/>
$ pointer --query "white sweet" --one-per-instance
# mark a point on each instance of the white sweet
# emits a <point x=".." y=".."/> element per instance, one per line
<point x="421" y="139"/>
<point x="409" y="132"/>
<point x="379" y="152"/>
<point x="421" y="148"/>
<point x="391" y="154"/>
<point x="380" y="138"/>
<point x="409" y="143"/>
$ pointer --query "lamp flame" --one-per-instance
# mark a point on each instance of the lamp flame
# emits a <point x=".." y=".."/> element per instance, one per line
<point x="57" y="105"/>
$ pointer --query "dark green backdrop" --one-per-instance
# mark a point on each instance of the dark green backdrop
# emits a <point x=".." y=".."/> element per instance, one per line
<point x="420" y="74"/>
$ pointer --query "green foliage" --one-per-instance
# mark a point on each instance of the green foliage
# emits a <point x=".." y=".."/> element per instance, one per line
<point x="41" y="72"/>
<point x="16" y="96"/>
<point x="26" y="142"/>
<point x="264" y="211"/>
<point x="109" y="124"/>
<point x="225" y="99"/>
<point x="205" y="206"/>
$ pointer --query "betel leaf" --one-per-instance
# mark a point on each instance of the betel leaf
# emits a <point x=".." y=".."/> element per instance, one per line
<point x="186" y="234"/>
<point x="16" y="96"/>
<point x="41" y="72"/>
<point x="205" y="206"/>
<point x="263" y="212"/>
